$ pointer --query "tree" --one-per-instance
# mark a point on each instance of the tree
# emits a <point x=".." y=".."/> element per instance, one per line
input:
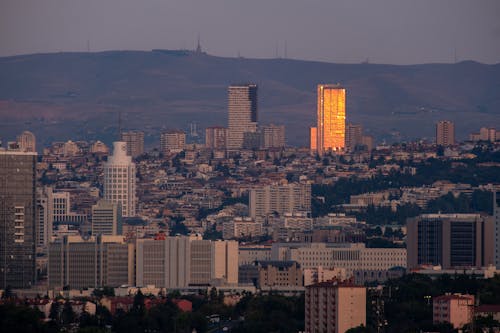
<point x="68" y="315"/>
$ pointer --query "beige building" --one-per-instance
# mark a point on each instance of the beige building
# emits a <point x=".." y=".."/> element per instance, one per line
<point x="450" y="240"/>
<point x="241" y="227"/>
<point x="320" y="274"/>
<point x="99" y="147"/>
<point x="215" y="137"/>
<point x="178" y="262"/>
<point x="106" y="218"/>
<point x="89" y="263"/>
<point x="273" y="136"/>
<point x="250" y="254"/>
<point x="172" y="141"/>
<point x="280" y="198"/>
<point x="445" y="133"/>
<point x="135" y="142"/>
<point x="27" y="142"/>
<point x="242" y="114"/>
<point x="456" y="309"/>
<point x="334" y="307"/>
<point x="279" y="274"/>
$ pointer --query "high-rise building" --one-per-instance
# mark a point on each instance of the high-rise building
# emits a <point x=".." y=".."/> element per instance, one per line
<point x="90" y="263"/>
<point x="135" y="142"/>
<point x="450" y="241"/>
<point x="285" y="198"/>
<point x="496" y="209"/>
<point x="27" y="141"/>
<point x="215" y="137"/>
<point x="273" y="136"/>
<point x="353" y="136"/>
<point x="17" y="218"/>
<point x="367" y="141"/>
<point x="44" y="216"/>
<point x="331" y="118"/>
<point x="172" y="141"/>
<point x="106" y="218"/>
<point x="242" y="114"/>
<point x="313" y="139"/>
<point x="119" y="179"/>
<point x="334" y="307"/>
<point x="445" y="133"/>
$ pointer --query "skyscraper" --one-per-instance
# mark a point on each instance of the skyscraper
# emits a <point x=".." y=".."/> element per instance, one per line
<point x="331" y="118"/>
<point x="445" y="133"/>
<point x="135" y="142"/>
<point x="172" y="141"/>
<point x="242" y="113"/>
<point x="496" y="209"/>
<point x="353" y="136"/>
<point x="119" y="179"/>
<point x="17" y="218"/>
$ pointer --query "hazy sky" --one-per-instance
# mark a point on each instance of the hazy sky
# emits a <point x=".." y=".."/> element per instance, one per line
<point x="384" y="31"/>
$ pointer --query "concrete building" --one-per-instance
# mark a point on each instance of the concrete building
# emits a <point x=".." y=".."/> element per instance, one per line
<point x="334" y="307"/>
<point x="179" y="262"/>
<point x="331" y="118"/>
<point x="215" y="137"/>
<point x="172" y="141"/>
<point x="496" y="212"/>
<point x="106" y="218"/>
<point x="44" y="216"/>
<point x="242" y="114"/>
<point x="280" y="198"/>
<point x="313" y="140"/>
<point x="320" y="274"/>
<point x="450" y="240"/>
<point x="456" y="309"/>
<point x="251" y="254"/>
<point x="119" y="179"/>
<point x="89" y="263"/>
<point x="241" y="227"/>
<point x="353" y="136"/>
<point x="135" y="142"/>
<point x="274" y="274"/>
<point x="367" y="141"/>
<point x="27" y="142"/>
<point x="273" y="136"/>
<point x="445" y="133"/>
<point x="99" y="147"/>
<point x="17" y="218"/>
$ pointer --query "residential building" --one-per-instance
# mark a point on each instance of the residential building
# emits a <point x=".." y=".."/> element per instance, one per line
<point x="215" y="137"/>
<point x="334" y="307"/>
<point x="331" y="118"/>
<point x="27" y="142"/>
<point x="445" y="133"/>
<point x="106" y="218"/>
<point x="353" y="136"/>
<point x="274" y="274"/>
<point x="450" y="240"/>
<point x="135" y="142"/>
<point x="172" y="141"/>
<point x="242" y="114"/>
<point x="44" y="216"/>
<point x="280" y="198"/>
<point x="241" y="227"/>
<point x="273" y="136"/>
<point x="456" y="309"/>
<point x="99" y="147"/>
<point x="17" y="218"/>
<point x="119" y="179"/>
<point x="90" y="262"/>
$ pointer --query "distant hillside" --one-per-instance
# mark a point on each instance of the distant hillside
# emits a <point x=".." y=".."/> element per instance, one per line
<point x="78" y="95"/>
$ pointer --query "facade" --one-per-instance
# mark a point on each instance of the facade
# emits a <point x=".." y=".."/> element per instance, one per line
<point x="313" y="140"/>
<point x="334" y="307"/>
<point x="172" y="141"/>
<point x="331" y="118"/>
<point x="27" y="142"/>
<point x="496" y="212"/>
<point x="242" y="114"/>
<point x="106" y="218"/>
<point x="284" y="198"/>
<point x="241" y="227"/>
<point x="44" y="216"/>
<point x="450" y="240"/>
<point x="445" y="133"/>
<point x="89" y="263"/>
<point x="279" y="274"/>
<point x="119" y="179"/>
<point x="456" y="309"/>
<point x="353" y="136"/>
<point x="273" y="136"/>
<point x="99" y="147"/>
<point x="135" y="142"/>
<point x="179" y="262"/>
<point x="17" y="218"/>
<point x="215" y="137"/>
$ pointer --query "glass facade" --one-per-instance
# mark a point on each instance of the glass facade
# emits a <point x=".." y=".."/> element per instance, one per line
<point x="331" y="118"/>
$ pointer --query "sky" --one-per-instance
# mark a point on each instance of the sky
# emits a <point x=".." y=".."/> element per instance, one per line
<point x="348" y="31"/>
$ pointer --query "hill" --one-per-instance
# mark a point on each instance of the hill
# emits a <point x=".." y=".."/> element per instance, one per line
<point x="78" y="95"/>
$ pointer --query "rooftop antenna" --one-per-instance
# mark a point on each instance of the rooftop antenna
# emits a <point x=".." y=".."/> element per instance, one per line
<point x="119" y="125"/>
<point x="198" y="46"/>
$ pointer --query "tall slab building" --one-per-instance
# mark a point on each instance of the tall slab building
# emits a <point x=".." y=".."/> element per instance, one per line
<point x="119" y="179"/>
<point x="496" y="212"/>
<point x="242" y="114"/>
<point x="331" y="118"/>
<point x="445" y="133"/>
<point x="17" y="218"/>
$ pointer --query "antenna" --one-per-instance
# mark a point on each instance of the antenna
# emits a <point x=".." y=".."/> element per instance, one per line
<point x="119" y="126"/>
<point x="198" y="46"/>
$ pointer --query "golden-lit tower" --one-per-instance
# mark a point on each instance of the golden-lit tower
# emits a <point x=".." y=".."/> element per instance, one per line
<point x="331" y="118"/>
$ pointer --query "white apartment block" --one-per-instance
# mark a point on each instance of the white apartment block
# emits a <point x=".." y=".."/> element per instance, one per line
<point x="241" y="227"/>
<point x="280" y="198"/>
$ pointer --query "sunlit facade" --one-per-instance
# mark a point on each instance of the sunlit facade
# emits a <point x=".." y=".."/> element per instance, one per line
<point x="331" y="118"/>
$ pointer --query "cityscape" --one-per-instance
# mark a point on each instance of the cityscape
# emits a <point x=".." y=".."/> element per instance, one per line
<point x="239" y="222"/>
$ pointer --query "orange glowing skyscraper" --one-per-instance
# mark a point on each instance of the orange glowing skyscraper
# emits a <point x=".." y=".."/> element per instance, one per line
<point x="331" y="118"/>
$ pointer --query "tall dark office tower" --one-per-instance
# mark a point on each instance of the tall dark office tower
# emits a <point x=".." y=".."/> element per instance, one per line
<point x="17" y="218"/>
<point x="242" y="113"/>
<point x="496" y="213"/>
